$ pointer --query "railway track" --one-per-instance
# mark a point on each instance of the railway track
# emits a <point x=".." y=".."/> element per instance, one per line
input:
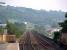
<point x="35" y="41"/>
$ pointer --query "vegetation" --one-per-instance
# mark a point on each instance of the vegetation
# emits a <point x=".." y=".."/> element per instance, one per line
<point x="12" y="29"/>
<point x="56" y="36"/>
<point x="40" y="17"/>
<point x="64" y="29"/>
<point x="64" y="25"/>
<point x="1" y="30"/>
<point x="41" y="29"/>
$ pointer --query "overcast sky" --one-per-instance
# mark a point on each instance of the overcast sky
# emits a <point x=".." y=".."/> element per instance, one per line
<point x="39" y="4"/>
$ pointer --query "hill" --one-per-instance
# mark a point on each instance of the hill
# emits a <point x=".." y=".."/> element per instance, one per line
<point x="21" y="14"/>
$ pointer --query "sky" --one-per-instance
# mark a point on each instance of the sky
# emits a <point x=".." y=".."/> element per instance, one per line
<point x="39" y="4"/>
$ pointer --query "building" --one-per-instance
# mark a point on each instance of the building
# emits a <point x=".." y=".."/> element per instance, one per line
<point x="51" y="32"/>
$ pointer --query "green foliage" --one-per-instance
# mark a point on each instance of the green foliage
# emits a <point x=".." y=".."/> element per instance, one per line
<point x="56" y="36"/>
<point x="64" y="25"/>
<point x="1" y="30"/>
<point x="66" y="14"/>
<point x="41" y="17"/>
<point x="40" y="29"/>
<point x="12" y="29"/>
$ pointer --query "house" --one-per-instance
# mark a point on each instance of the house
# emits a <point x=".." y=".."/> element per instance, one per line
<point x="51" y="32"/>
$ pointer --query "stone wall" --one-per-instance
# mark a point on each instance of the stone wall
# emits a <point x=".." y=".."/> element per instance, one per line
<point x="63" y="38"/>
<point x="7" y="38"/>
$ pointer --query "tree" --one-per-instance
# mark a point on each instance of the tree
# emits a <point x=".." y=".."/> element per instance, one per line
<point x="64" y="25"/>
<point x="63" y="42"/>
<point x="64" y="29"/>
<point x="12" y="29"/>
<point x="1" y="30"/>
<point x="56" y="36"/>
<point x="66" y="14"/>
